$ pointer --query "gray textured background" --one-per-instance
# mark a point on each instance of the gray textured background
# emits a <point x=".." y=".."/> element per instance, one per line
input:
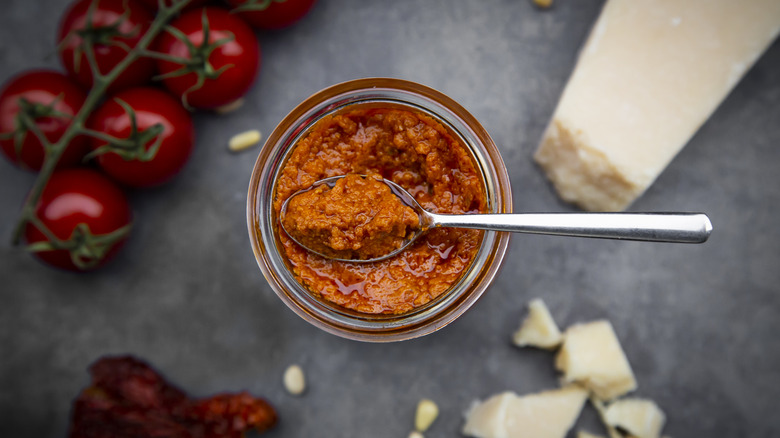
<point x="699" y="324"/>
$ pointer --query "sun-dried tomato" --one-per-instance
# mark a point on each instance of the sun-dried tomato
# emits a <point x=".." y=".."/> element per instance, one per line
<point x="128" y="399"/>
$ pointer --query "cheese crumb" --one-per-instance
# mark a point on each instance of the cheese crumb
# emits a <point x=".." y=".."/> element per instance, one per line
<point x="641" y="418"/>
<point x="538" y="329"/>
<point x="244" y="140"/>
<point x="416" y="434"/>
<point x="591" y="355"/>
<point x="548" y="414"/>
<point x="294" y="380"/>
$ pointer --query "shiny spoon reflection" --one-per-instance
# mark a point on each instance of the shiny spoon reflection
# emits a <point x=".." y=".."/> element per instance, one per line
<point x="650" y="227"/>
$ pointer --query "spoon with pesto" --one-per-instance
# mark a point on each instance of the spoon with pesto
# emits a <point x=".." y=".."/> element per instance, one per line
<point x="366" y="219"/>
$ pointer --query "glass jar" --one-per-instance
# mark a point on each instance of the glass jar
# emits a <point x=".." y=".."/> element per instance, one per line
<point x="263" y="223"/>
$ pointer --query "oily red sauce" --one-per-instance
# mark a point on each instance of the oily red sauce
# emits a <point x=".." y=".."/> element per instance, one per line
<point x="356" y="219"/>
<point x="417" y="153"/>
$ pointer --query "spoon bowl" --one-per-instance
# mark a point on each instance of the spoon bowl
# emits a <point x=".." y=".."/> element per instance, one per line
<point x="650" y="227"/>
<point x="406" y="198"/>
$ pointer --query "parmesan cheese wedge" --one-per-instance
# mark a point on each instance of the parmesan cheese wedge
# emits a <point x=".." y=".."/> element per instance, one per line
<point x="648" y="77"/>
<point x="591" y="355"/>
<point x="639" y="417"/>
<point x="548" y="414"/>
<point x="538" y="328"/>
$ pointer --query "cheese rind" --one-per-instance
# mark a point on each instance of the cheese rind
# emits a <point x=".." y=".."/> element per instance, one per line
<point x="538" y="328"/>
<point x="591" y="355"/>
<point x="649" y="76"/>
<point x="548" y="414"/>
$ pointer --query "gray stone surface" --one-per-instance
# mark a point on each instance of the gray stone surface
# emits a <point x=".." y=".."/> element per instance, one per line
<point x="699" y="324"/>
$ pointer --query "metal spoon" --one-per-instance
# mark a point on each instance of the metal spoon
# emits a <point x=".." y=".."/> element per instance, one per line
<point x="650" y="227"/>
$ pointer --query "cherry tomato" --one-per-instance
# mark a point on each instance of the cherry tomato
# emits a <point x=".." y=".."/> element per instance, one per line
<point x="226" y="64"/>
<point x="112" y="26"/>
<point x="140" y="165"/>
<point x="47" y="100"/>
<point x="272" y="14"/>
<point x="153" y="5"/>
<point x="86" y="209"/>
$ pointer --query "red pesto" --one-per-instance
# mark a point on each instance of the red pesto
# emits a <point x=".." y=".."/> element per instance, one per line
<point x="417" y="153"/>
<point x="356" y="219"/>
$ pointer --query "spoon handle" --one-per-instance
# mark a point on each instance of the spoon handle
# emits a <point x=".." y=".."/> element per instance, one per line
<point x="654" y="227"/>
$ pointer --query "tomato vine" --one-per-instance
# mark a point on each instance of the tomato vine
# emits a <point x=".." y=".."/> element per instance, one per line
<point x="134" y="146"/>
<point x="85" y="247"/>
<point x="198" y="60"/>
<point x="256" y="5"/>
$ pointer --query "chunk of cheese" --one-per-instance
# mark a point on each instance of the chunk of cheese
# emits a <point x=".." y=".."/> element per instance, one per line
<point x="548" y="414"/>
<point x="601" y="409"/>
<point x="488" y="419"/>
<point x="641" y="418"/>
<point x="538" y="328"/>
<point x="650" y="74"/>
<point x="591" y="355"/>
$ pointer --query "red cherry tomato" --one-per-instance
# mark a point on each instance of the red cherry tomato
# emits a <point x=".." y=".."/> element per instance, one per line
<point x="80" y="205"/>
<point x="233" y="58"/>
<point x="152" y="5"/>
<point x="129" y="20"/>
<point x="47" y="100"/>
<point x="272" y="14"/>
<point x="143" y="167"/>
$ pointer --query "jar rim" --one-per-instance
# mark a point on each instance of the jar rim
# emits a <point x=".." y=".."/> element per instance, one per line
<point x="261" y="222"/>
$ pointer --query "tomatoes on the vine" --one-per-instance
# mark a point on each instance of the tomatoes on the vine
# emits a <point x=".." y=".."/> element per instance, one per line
<point x="155" y="134"/>
<point x="109" y="28"/>
<point x="213" y="57"/>
<point x="86" y="218"/>
<point x="39" y="102"/>
<point x="272" y="14"/>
